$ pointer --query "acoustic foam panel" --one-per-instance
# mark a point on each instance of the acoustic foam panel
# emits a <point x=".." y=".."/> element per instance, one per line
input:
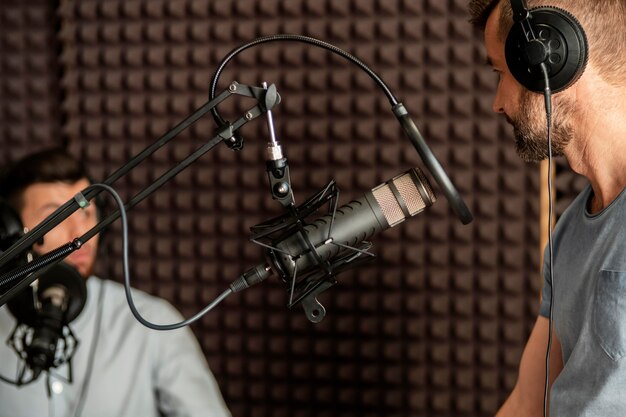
<point x="435" y="326"/>
<point x="29" y="117"/>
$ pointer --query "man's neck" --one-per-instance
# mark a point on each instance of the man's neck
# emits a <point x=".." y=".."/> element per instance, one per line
<point x="600" y="156"/>
<point x="597" y="149"/>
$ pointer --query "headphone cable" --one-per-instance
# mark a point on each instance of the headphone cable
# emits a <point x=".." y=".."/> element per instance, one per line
<point x="548" y="106"/>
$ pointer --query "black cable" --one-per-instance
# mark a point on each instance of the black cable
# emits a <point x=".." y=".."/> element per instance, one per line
<point x="125" y="261"/>
<point x="548" y="106"/>
<point x="95" y="339"/>
<point x="50" y="406"/>
<point x="297" y="38"/>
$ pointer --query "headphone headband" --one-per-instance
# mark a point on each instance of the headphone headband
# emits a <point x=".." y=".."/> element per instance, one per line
<point x="520" y="10"/>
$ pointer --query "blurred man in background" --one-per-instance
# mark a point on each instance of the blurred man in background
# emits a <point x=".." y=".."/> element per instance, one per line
<point x="121" y="368"/>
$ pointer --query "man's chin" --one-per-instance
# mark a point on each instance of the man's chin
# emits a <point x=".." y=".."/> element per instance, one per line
<point x="536" y="152"/>
<point x="84" y="270"/>
<point x="529" y="157"/>
<point x="86" y="273"/>
<point x="529" y="150"/>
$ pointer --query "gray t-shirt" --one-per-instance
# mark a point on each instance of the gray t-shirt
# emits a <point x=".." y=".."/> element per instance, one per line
<point x="589" y="309"/>
<point x="136" y="371"/>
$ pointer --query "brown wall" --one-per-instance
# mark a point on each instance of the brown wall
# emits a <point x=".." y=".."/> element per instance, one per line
<point x="435" y="327"/>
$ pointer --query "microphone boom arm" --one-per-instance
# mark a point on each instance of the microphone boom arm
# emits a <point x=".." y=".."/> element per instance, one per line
<point x="266" y="99"/>
<point x="430" y="160"/>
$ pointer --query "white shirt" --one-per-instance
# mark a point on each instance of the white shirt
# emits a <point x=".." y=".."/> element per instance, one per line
<point x="136" y="371"/>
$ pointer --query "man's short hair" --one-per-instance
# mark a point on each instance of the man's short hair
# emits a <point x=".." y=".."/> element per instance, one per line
<point x="480" y="10"/>
<point x="603" y="21"/>
<point x="47" y="166"/>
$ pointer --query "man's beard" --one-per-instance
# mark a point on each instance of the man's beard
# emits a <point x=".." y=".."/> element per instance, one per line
<point x="530" y="126"/>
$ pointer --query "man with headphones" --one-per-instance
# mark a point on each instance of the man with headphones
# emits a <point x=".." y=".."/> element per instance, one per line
<point x="575" y="49"/>
<point x="121" y="368"/>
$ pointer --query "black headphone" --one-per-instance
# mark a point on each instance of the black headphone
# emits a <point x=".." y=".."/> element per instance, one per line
<point x="547" y="35"/>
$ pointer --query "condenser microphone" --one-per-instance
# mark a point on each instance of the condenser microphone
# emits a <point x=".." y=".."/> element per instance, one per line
<point x="334" y="235"/>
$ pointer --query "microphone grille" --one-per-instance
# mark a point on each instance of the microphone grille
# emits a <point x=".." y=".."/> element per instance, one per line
<point x="404" y="196"/>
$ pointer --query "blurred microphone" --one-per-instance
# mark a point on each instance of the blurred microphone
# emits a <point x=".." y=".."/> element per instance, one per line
<point x="334" y="239"/>
<point x="42" y="338"/>
<point x="41" y="351"/>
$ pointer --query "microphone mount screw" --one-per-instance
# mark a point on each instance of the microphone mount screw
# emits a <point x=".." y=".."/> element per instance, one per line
<point x="281" y="189"/>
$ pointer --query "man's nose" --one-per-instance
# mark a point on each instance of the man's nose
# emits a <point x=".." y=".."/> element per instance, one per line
<point x="497" y="105"/>
<point x="79" y="223"/>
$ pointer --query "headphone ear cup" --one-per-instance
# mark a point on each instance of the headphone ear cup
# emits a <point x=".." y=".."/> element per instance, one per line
<point x="566" y="43"/>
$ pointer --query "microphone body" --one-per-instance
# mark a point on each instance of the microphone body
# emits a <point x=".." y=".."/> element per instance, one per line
<point x="308" y="255"/>
<point x="44" y="310"/>
<point x="330" y="237"/>
<point x="41" y="352"/>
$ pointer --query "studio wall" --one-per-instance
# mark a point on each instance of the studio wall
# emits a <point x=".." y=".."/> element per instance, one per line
<point x="435" y="326"/>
